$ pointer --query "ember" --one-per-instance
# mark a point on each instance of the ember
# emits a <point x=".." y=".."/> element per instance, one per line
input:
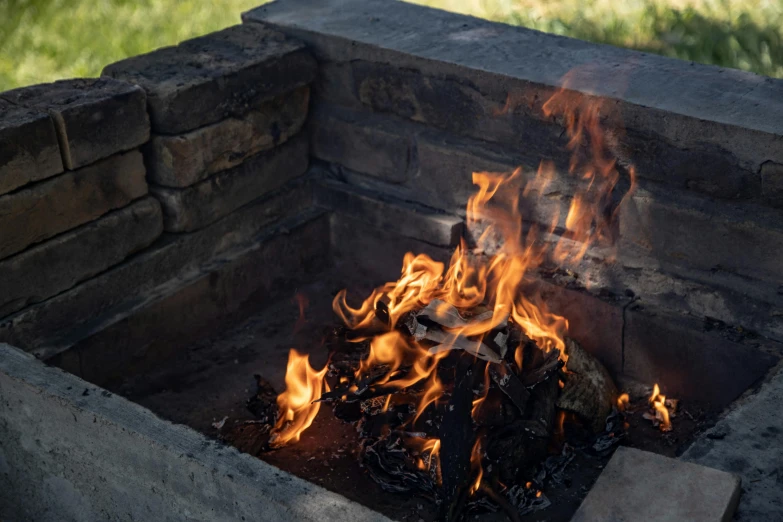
<point x="458" y="377"/>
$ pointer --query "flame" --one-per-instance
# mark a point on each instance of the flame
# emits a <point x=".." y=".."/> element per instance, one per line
<point x="297" y="409"/>
<point x="496" y="271"/>
<point x="622" y="401"/>
<point x="658" y="402"/>
<point x="475" y="466"/>
<point x="478" y="402"/>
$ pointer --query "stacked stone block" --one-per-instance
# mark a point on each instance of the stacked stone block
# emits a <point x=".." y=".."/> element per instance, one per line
<point x="226" y="111"/>
<point x="73" y="196"/>
<point x="410" y="112"/>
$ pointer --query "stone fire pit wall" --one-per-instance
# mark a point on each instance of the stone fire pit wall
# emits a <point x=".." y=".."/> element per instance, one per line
<point x="121" y="190"/>
<point x="180" y="169"/>
<point x="410" y="100"/>
<point x="144" y="209"/>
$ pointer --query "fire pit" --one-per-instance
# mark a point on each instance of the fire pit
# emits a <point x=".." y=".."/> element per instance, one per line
<point x="399" y="268"/>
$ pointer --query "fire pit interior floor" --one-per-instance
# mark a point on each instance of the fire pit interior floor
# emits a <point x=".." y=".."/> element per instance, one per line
<point x="206" y="386"/>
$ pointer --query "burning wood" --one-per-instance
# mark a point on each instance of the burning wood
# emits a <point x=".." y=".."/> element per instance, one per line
<point x="458" y="373"/>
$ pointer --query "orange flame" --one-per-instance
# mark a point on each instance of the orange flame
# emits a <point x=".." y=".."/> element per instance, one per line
<point x="496" y="272"/>
<point x="622" y="401"/>
<point x="297" y="409"/>
<point x="658" y="402"/>
<point x="475" y="466"/>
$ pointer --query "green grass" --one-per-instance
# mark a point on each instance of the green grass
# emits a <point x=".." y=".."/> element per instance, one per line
<point x="743" y="34"/>
<point x="45" y="40"/>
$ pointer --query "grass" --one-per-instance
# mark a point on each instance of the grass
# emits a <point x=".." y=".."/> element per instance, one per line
<point x="45" y="40"/>
<point x="742" y="34"/>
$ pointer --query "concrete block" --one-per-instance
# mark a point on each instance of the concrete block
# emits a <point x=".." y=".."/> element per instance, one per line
<point x="195" y="207"/>
<point x="217" y="76"/>
<point x="689" y="359"/>
<point x="641" y="486"/>
<point x="95" y="118"/>
<point x="180" y="161"/>
<point x="688" y="125"/>
<point x="29" y="149"/>
<point x="376" y="253"/>
<point x="428" y="166"/>
<point x="673" y="229"/>
<point x="73" y="451"/>
<point x="408" y="220"/>
<point x="747" y="441"/>
<point x="59" y="322"/>
<point x="45" y="209"/>
<point x="222" y="292"/>
<point x="67" y="259"/>
<point x="373" y="146"/>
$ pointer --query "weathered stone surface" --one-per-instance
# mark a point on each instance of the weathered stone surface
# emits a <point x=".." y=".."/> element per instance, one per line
<point x="28" y="146"/>
<point x="772" y="182"/>
<point x="196" y="206"/>
<point x="45" y="209"/>
<point x="208" y="79"/>
<point x="678" y="230"/>
<point x="691" y="126"/>
<point x="688" y="360"/>
<point x="94" y="117"/>
<point x="56" y="324"/>
<point x="373" y="146"/>
<point x="73" y="451"/>
<point x="420" y="223"/>
<point x="747" y="441"/>
<point x="377" y="253"/>
<point x="180" y="161"/>
<point x="639" y="485"/>
<point x="221" y="293"/>
<point x="62" y="262"/>
<point x="426" y="165"/>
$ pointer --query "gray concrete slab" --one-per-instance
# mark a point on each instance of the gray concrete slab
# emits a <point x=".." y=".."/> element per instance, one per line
<point x="748" y="441"/>
<point x="74" y="452"/>
<point x="642" y="486"/>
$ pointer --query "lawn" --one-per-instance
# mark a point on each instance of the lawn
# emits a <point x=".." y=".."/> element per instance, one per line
<point x="44" y="40"/>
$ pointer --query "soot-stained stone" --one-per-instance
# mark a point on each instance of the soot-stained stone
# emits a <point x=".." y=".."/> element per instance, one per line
<point x="180" y="161"/>
<point x="205" y="202"/>
<point x="95" y="118"/>
<point x="61" y="262"/>
<point x="29" y="150"/>
<point x="223" y="74"/>
<point x="43" y="210"/>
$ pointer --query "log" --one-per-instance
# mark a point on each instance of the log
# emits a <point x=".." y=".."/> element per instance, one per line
<point x="456" y="439"/>
<point x="589" y="390"/>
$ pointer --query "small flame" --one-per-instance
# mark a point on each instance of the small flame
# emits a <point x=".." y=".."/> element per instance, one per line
<point x="622" y="401"/>
<point x="475" y="466"/>
<point x="478" y="402"/>
<point x="658" y="402"/>
<point x="297" y="409"/>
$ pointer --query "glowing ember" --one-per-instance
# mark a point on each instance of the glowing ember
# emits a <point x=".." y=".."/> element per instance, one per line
<point x="297" y="409"/>
<point x="622" y="401"/>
